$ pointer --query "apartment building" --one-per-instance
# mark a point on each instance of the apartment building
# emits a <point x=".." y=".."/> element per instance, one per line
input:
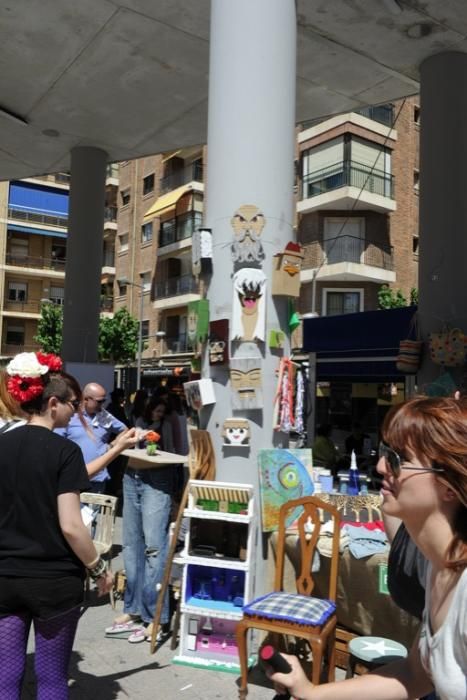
<point x="33" y="237"/>
<point x="358" y="207"/>
<point x="160" y="205"/>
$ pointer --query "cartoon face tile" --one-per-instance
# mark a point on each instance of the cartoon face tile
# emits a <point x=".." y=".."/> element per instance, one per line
<point x="236" y="432"/>
<point x="247" y="223"/>
<point x="246" y="383"/>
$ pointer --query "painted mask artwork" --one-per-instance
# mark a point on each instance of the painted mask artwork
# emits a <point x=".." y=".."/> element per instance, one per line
<point x="248" y="223"/>
<point x="218" y="344"/>
<point x="197" y="323"/>
<point x="283" y="476"/>
<point x="249" y="305"/>
<point x="236" y="432"/>
<point x="246" y="383"/>
<point x="201" y="252"/>
<point x="286" y="271"/>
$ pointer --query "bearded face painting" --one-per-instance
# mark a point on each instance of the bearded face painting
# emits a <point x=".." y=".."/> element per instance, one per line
<point x="248" y="224"/>
<point x="249" y="305"/>
<point x="236" y="432"/>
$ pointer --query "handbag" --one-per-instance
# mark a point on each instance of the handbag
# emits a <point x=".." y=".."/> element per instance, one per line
<point x="408" y="359"/>
<point x="447" y="348"/>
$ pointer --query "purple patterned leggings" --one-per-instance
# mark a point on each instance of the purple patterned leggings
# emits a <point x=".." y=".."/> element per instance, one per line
<point x="53" y="641"/>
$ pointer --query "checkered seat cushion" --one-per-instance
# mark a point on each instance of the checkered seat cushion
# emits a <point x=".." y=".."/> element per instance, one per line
<point x="292" y="607"/>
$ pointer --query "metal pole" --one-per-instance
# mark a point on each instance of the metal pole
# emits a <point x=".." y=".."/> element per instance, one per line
<point x="140" y="339"/>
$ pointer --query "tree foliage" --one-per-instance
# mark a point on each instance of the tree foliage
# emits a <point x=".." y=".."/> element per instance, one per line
<point x="50" y="328"/>
<point x="118" y="335"/>
<point x="393" y="298"/>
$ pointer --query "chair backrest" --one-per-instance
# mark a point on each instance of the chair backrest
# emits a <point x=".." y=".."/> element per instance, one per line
<point x="308" y="527"/>
<point x="104" y="522"/>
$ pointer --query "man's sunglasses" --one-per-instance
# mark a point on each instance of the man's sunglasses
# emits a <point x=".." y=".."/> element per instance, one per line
<point x="96" y="400"/>
<point x="395" y="461"/>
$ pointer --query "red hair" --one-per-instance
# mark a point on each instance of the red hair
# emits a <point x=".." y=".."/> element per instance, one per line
<point x="434" y="430"/>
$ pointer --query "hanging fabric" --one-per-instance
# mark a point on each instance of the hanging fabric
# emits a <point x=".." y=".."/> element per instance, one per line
<point x="283" y="415"/>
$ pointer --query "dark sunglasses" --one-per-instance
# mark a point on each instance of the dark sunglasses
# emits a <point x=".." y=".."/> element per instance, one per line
<point x="395" y="461"/>
<point x="75" y="403"/>
<point x="96" y="400"/>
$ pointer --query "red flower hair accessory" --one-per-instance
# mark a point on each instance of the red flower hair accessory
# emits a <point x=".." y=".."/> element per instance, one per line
<point x="53" y="362"/>
<point x="25" y="389"/>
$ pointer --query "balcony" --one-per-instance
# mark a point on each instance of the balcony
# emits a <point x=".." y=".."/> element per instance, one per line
<point x="349" y="259"/>
<point x="29" y="308"/>
<point x="180" y="228"/>
<point x="107" y="304"/>
<point x="177" y="344"/>
<point x="29" y="261"/>
<point x="347" y="185"/>
<point x="384" y="114"/>
<point x="36" y="218"/>
<point x="11" y="349"/>
<point x="193" y="172"/>
<point x="186" y="284"/>
<point x="111" y="175"/>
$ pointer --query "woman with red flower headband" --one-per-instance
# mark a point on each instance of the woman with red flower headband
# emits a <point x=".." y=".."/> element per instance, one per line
<point x="45" y="547"/>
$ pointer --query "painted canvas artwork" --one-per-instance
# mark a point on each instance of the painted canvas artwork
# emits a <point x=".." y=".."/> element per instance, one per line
<point x="283" y="476"/>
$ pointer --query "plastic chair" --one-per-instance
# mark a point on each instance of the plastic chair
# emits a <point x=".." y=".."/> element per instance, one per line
<point x="105" y="508"/>
<point x="297" y="614"/>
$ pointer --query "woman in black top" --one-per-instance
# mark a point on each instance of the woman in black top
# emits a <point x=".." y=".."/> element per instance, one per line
<point x="44" y="544"/>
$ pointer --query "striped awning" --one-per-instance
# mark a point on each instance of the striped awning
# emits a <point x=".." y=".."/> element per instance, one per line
<point x="166" y="202"/>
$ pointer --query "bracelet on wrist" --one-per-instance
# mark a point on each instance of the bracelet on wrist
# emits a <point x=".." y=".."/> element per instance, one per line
<point x="98" y="570"/>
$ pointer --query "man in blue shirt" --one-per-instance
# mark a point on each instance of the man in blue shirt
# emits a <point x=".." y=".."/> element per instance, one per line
<point x="101" y="428"/>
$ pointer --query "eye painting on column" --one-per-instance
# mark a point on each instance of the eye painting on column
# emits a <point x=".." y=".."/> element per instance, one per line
<point x="248" y="223"/>
<point x="249" y="305"/>
<point x="236" y="432"/>
<point x="246" y="383"/>
<point x="286" y="271"/>
<point x="218" y="342"/>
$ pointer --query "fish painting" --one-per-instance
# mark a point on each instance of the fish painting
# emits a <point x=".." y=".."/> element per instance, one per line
<point x="283" y="477"/>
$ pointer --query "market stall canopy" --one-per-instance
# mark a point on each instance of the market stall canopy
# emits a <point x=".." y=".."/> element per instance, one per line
<point x="362" y="345"/>
<point x="131" y="76"/>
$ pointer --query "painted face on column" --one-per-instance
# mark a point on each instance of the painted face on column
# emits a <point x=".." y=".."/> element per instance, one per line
<point x="248" y="223"/>
<point x="248" y="317"/>
<point x="236" y="432"/>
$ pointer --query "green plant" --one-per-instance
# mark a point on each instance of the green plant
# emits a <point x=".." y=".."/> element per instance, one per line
<point x="50" y="328"/>
<point x="390" y="299"/>
<point x="118" y="337"/>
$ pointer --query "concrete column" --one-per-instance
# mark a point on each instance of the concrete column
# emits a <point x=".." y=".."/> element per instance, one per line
<point x="250" y="162"/>
<point x="84" y="255"/>
<point x="443" y="201"/>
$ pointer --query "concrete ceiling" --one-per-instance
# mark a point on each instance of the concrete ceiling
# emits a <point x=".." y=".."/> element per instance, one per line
<point x="131" y="76"/>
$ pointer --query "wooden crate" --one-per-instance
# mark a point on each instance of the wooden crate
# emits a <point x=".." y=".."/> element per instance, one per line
<point x="343" y="636"/>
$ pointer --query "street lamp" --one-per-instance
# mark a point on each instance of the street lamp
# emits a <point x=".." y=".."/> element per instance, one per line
<point x="128" y="282"/>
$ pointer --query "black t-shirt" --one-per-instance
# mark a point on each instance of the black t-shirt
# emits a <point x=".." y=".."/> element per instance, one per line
<point x="36" y="465"/>
<point x="407" y="568"/>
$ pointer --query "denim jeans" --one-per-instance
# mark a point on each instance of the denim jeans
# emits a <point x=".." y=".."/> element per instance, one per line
<point x="147" y="496"/>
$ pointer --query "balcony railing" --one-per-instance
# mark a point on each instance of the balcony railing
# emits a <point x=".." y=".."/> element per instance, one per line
<point x="29" y="306"/>
<point x="107" y="304"/>
<point x="179" y="228"/>
<point x="35" y="262"/>
<point x="176" y="344"/>
<point x="36" y="218"/>
<point x="348" y="174"/>
<point x="193" y="172"/>
<point x="174" y="286"/>
<point x="384" y="114"/>
<point x="110" y="214"/>
<point x="10" y="349"/>
<point x="350" y="249"/>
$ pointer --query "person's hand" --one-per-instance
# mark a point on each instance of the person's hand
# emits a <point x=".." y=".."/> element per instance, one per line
<point x="127" y="439"/>
<point x="105" y="583"/>
<point x="295" y="682"/>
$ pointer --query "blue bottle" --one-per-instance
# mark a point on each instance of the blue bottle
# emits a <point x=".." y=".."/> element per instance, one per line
<point x="353" y="488"/>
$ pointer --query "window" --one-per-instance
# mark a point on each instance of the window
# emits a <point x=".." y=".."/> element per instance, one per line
<point x="59" y="252"/>
<point x="416" y="115"/>
<point x="123" y="238"/>
<point x="167" y="232"/>
<point x="146" y="281"/>
<point x="122" y="286"/>
<point x="344" y="239"/>
<point x="146" y="232"/>
<point x="342" y="301"/>
<point x="148" y="184"/>
<point x="125" y="196"/>
<point x="415" y="245"/>
<point x="145" y="329"/>
<point x="14" y="335"/>
<point x="17" y="291"/>
<point x="416" y="181"/>
<point x="57" y="295"/>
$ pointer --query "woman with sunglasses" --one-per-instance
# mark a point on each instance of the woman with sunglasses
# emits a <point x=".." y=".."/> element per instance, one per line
<point x="423" y="463"/>
<point x="45" y="547"/>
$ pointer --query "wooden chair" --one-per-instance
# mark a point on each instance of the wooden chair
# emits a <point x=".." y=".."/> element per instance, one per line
<point x="297" y="614"/>
<point x="103" y="525"/>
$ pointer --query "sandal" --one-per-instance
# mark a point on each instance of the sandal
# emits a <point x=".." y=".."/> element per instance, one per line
<point x="139" y="634"/>
<point x="122" y="630"/>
